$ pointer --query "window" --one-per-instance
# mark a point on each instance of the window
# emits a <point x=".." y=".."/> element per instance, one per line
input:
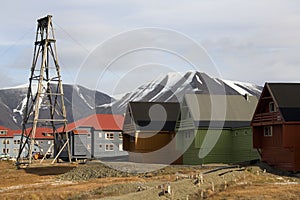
<point x="246" y="133"/>
<point x="100" y="146"/>
<point x="100" y="135"/>
<point x="272" y="107"/>
<point x="5" y="151"/>
<point x="120" y="147"/>
<point x="109" y="147"/>
<point x="120" y="136"/>
<point x="109" y="136"/>
<point x="47" y="134"/>
<point x="89" y="135"/>
<point x="268" y="131"/>
<point x="16" y="141"/>
<point x="5" y="141"/>
<point x="187" y="135"/>
<point x="236" y="133"/>
<point x="88" y="146"/>
<point x="3" y="132"/>
<point x="49" y="142"/>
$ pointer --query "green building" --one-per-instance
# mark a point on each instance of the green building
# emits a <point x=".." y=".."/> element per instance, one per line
<point x="216" y="129"/>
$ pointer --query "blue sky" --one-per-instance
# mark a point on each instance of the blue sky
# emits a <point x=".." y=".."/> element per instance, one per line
<point x="253" y="41"/>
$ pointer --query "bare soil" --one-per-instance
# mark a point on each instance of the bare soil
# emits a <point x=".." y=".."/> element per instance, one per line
<point x="97" y="181"/>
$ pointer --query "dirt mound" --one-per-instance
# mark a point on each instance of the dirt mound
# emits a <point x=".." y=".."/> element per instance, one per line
<point x="91" y="171"/>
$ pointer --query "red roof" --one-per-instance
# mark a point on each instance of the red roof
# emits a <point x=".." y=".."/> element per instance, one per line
<point x="99" y="122"/>
<point x="81" y="131"/>
<point x="9" y="132"/>
<point x="41" y="132"/>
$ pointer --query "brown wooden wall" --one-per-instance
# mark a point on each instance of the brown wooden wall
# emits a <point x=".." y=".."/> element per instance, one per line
<point x="291" y="135"/>
<point x="150" y="147"/>
<point x="144" y="143"/>
<point x="282" y="149"/>
<point x="282" y="158"/>
<point x="260" y="141"/>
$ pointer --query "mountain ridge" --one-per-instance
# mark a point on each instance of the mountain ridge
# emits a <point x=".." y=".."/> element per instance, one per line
<point x="81" y="102"/>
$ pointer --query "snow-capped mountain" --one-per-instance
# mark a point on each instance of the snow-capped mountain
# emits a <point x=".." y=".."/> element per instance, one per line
<point x="173" y="86"/>
<point x="79" y="102"/>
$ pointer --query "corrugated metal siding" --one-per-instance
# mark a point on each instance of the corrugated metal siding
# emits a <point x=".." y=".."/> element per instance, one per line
<point x="80" y="145"/>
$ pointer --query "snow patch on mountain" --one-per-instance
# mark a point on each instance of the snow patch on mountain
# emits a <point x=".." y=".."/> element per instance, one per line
<point x="235" y="87"/>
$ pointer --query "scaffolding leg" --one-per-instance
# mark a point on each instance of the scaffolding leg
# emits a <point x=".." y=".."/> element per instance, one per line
<point x="46" y="153"/>
<point x="67" y="142"/>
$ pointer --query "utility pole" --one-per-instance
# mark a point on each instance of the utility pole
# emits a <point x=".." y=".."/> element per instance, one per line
<point x="45" y="92"/>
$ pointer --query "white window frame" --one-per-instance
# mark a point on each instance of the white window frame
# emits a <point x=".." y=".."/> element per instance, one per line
<point x="272" y="107"/>
<point x="3" y="132"/>
<point x="268" y="131"/>
<point x="120" y="147"/>
<point x="5" y="150"/>
<point x="120" y="136"/>
<point x="100" y="134"/>
<point x="109" y="147"/>
<point x="108" y="136"/>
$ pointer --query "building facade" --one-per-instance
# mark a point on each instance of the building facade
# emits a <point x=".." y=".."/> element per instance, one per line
<point x="149" y="132"/>
<point x="276" y="125"/>
<point x="95" y="137"/>
<point x="216" y="129"/>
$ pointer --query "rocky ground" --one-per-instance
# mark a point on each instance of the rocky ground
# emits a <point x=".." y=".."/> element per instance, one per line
<point x="124" y="180"/>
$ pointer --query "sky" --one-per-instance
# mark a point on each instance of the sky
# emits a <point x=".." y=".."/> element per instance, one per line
<point x="114" y="46"/>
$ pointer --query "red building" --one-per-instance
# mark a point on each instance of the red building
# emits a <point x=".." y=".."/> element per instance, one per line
<point x="276" y="125"/>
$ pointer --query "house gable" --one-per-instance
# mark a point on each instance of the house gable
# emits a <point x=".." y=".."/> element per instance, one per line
<point x="152" y="116"/>
<point x="287" y="97"/>
<point x="266" y="112"/>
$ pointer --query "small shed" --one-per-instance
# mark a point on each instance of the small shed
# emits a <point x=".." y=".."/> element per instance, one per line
<point x="276" y="125"/>
<point x="216" y="129"/>
<point x="149" y="132"/>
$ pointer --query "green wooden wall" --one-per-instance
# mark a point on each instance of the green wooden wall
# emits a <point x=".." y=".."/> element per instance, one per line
<point x="242" y="145"/>
<point x="233" y="145"/>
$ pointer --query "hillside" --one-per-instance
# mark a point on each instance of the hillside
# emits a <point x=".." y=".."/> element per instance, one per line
<point x="81" y="102"/>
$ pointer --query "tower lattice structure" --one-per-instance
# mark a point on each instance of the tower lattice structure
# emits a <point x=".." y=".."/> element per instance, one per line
<point x="45" y="98"/>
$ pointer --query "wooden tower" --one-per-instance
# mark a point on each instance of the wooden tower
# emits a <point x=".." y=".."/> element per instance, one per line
<point x="45" y="95"/>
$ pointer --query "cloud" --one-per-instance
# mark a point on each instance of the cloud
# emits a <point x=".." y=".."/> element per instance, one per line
<point x="249" y="40"/>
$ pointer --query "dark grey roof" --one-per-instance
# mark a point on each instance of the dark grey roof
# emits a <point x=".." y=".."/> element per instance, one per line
<point x="287" y="98"/>
<point x="159" y="116"/>
<point x="221" y="124"/>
